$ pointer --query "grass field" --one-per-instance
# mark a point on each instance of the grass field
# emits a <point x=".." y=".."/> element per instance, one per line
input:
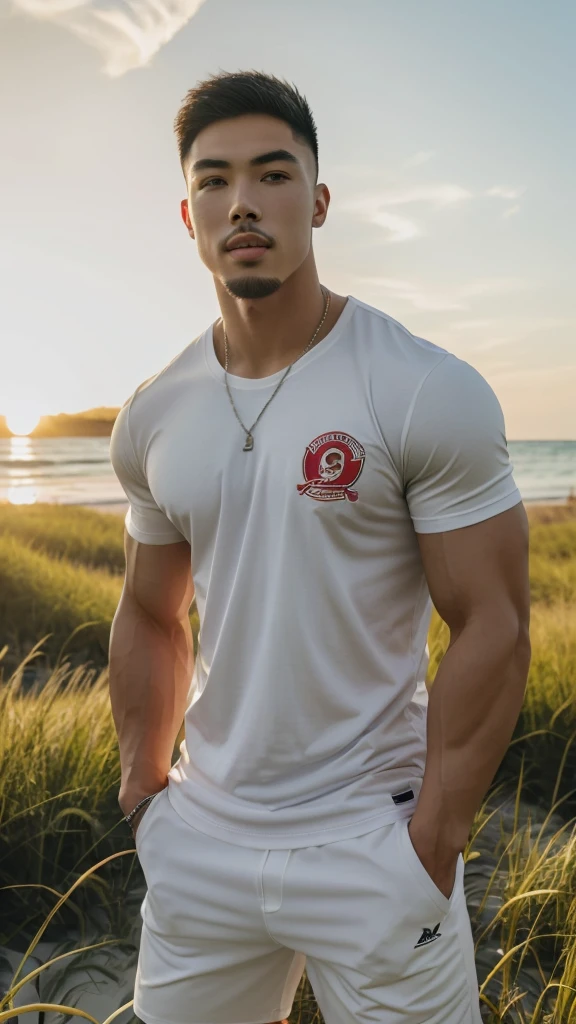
<point x="68" y="863"/>
<point x="62" y="569"/>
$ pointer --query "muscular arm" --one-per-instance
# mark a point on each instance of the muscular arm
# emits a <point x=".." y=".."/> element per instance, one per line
<point x="151" y="660"/>
<point x="478" y="581"/>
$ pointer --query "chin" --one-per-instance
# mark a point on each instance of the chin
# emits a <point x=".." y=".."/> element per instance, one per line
<point x="252" y="287"/>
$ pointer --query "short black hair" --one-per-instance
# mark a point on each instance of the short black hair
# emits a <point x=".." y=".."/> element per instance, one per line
<point x="231" y="94"/>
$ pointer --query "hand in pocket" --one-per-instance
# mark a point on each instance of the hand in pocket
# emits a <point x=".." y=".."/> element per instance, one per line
<point x="440" y="867"/>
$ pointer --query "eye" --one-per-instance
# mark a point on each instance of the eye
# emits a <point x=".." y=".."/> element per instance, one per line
<point x="209" y="182"/>
<point x="277" y="174"/>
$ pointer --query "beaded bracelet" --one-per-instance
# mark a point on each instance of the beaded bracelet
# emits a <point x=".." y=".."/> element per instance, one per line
<point x="128" y="818"/>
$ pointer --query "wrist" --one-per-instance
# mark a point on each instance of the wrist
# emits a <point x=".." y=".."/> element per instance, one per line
<point x="440" y="839"/>
<point x="128" y="798"/>
<point x="136" y="814"/>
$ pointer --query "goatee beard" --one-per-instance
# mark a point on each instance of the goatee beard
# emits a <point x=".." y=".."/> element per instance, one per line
<point x="252" y="287"/>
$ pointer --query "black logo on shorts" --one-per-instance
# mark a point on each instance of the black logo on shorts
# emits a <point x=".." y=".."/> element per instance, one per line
<point x="428" y="936"/>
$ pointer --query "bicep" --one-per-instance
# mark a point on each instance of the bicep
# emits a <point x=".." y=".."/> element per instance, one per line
<point x="159" y="578"/>
<point x="480" y="571"/>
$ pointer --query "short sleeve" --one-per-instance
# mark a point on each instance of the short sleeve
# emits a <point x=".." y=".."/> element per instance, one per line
<point x="456" y="466"/>
<point x="144" y="521"/>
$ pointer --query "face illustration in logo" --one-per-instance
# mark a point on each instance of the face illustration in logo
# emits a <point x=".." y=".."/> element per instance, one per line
<point x="332" y="463"/>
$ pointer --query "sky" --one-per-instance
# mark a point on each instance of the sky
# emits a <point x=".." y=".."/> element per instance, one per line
<point x="446" y="138"/>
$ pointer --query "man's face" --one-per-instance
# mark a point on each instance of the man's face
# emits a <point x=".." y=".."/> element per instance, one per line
<point x="276" y="200"/>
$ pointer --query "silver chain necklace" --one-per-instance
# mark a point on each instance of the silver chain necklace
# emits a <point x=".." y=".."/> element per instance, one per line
<point x="249" y="444"/>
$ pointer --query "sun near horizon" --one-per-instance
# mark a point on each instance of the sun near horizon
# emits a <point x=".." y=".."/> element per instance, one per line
<point x="22" y="421"/>
<point x="23" y="417"/>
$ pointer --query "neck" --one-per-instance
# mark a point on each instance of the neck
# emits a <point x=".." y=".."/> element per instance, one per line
<point x="266" y="335"/>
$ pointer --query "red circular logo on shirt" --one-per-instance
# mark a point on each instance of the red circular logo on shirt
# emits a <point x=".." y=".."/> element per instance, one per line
<point x="332" y="463"/>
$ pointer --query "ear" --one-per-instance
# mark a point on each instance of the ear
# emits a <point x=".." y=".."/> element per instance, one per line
<point x="185" y="214"/>
<point x="321" y="204"/>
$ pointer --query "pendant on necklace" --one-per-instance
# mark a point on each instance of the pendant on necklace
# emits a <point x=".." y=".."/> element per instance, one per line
<point x="249" y="443"/>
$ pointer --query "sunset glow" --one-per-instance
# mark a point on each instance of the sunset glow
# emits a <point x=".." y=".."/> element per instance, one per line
<point x="441" y="217"/>
<point x="22" y="495"/>
<point x="22" y="420"/>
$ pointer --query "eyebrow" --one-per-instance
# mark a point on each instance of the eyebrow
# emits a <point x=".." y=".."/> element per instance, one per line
<point x="264" y="158"/>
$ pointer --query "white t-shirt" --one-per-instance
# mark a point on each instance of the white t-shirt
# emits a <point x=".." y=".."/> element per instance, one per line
<point x="305" y="725"/>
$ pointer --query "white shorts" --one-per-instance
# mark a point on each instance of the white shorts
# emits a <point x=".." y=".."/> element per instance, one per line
<point x="228" y="930"/>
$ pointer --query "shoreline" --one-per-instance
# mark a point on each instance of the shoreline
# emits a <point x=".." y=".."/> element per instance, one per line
<point x="116" y="506"/>
<point x="121" y="507"/>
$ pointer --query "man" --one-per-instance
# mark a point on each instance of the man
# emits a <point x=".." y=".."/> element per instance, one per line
<point x="315" y="476"/>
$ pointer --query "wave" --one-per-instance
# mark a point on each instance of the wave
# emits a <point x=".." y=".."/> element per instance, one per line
<point x="31" y="463"/>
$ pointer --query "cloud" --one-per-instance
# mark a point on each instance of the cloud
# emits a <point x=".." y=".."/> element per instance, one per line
<point x="494" y="341"/>
<point x="374" y="208"/>
<point x="434" y="195"/>
<point x="539" y="371"/>
<point x="438" y="301"/>
<point x="412" y="293"/>
<point x="47" y="8"/>
<point x="400" y="229"/>
<point x="421" y="157"/>
<point x="510" y="329"/>
<point x="127" y="33"/>
<point x="471" y="325"/>
<point x="493" y="286"/>
<point x="356" y="170"/>
<point x="502" y="192"/>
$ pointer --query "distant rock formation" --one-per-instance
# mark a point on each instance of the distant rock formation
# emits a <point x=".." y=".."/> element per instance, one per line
<point x="92" y="423"/>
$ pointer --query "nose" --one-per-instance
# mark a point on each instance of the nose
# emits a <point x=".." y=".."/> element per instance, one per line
<point x="243" y="209"/>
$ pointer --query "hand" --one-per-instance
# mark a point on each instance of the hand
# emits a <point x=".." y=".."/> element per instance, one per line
<point x="440" y="863"/>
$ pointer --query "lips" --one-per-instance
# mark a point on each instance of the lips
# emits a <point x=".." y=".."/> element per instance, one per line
<point x="248" y="253"/>
<point x="247" y="239"/>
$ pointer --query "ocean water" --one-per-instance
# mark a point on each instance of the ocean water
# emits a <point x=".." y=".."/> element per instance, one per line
<point x="77" y="470"/>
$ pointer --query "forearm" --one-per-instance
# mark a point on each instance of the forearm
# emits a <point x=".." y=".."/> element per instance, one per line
<point x="474" y="705"/>
<point x="150" y="669"/>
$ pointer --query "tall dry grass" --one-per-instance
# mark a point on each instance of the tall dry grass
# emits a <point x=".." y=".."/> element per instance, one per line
<point x="67" y="862"/>
<point x="62" y="572"/>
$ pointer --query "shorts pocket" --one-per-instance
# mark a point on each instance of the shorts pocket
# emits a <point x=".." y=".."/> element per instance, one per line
<point x="144" y="820"/>
<point x="409" y="855"/>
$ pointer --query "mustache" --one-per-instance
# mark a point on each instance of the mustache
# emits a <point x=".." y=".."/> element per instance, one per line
<point x="127" y="33"/>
